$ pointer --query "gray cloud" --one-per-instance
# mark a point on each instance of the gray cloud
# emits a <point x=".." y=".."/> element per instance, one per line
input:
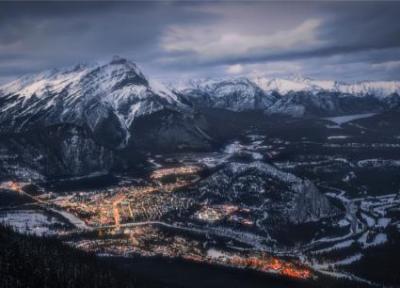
<point x="174" y="39"/>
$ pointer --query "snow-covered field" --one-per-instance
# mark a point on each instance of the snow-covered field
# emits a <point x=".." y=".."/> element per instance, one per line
<point x="338" y="137"/>
<point x="367" y="223"/>
<point x="339" y="120"/>
<point x="338" y="243"/>
<point x="254" y="149"/>
<point x="31" y="222"/>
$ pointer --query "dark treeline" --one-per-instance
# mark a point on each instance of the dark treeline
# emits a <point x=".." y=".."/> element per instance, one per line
<point x="34" y="262"/>
<point x="29" y="261"/>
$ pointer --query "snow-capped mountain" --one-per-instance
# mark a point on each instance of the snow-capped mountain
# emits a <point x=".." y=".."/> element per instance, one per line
<point x="112" y="95"/>
<point x="236" y="94"/>
<point x="298" y="84"/>
<point x="284" y="86"/>
<point x="85" y="119"/>
<point x="81" y="120"/>
<point x="295" y="96"/>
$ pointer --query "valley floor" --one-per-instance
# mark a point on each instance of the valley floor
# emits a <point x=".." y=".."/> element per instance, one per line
<point x="162" y="225"/>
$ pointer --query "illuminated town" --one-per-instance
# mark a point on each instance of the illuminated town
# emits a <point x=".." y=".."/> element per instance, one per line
<point x="130" y="220"/>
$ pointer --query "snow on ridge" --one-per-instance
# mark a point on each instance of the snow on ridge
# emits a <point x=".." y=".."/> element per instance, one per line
<point x="339" y="120"/>
<point x="77" y="79"/>
<point x="377" y="88"/>
<point x="88" y="80"/>
<point x="362" y="88"/>
<point x="85" y="93"/>
<point x="163" y="90"/>
<point x="277" y="95"/>
<point x="207" y="84"/>
<point x="298" y="84"/>
<point x="282" y="86"/>
<point x="96" y="79"/>
<point x="37" y="84"/>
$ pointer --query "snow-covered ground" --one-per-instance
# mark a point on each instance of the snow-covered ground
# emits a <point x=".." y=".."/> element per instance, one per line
<point x="30" y="222"/>
<point x="376" y="163"/>
<point x="214" y="253"/>
<point x="78" y="223"/>
<point x="338" y="137"/>
<point x="339" y="120"/>
<point x="367" y="240"/>
<point x="380" y="89"/>
<point x="366" y="223"/>
<point x="255" y="149"/>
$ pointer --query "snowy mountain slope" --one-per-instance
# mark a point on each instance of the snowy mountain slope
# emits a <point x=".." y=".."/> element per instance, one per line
<point x="302" y="96"/>
<point x="379" y="89"/>
<point x="284" y="86"/>
<point x="295" y="97"/>
<point x="57" y="151"/>
<point x="86" y="95"/>
<point x="233" y="94"/>
<point x="284" y="197"/>
<point x="325" y="104"/>
<point x="90" y="119"/>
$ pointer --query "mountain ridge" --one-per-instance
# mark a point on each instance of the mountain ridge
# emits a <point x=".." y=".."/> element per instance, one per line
<point x="284" y="85"/>
<point x="91" y="113"/>
<point x="114" y="109"/>
<point x="84" y="95"/>
<point x="295" y="97"/>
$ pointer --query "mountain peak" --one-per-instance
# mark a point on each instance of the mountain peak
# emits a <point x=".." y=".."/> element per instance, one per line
<point x="118" y="60"/>
<point x="79" y="67"/>
<point x="115" y="93"/>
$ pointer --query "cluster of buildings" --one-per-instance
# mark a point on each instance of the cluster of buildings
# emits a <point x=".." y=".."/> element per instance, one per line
<point x="131" y="203"/>
<point x="151" y="240"/>
<point x="227" y="212"/>
<point x="271" y="264"/>
<point x="174" y="171"/>
<point x="12" y="185"/>
<point x="107" y="211"/>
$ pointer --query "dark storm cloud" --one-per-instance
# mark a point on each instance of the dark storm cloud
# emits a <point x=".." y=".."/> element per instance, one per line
<point x="348" y="28"/>
<point x="363" y="26"/>
<point x="174" y="38"/>
<point x="52" y="34"/>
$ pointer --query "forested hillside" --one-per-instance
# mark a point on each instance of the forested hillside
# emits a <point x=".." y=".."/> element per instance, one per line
<point x="28" y="261"/>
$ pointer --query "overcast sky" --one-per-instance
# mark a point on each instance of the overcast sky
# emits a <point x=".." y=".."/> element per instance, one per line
<point x="172" y="40"/>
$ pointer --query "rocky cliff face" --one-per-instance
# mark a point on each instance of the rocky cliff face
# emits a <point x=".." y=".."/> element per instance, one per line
<point x="324" y="104"/>
<point x="232" y="94"/>
<point x="57" y="151"/>
<point x="117" y="109"/>
<point x="167" y="131"/>
<point x="295" y="97"/>
<point x="274" y="197"/>
<point x="103" y="103"/>
<point x="106" y="99"/>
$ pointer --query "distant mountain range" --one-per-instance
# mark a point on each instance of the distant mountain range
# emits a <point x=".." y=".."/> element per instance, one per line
<point x="91" y="118"/>
<point x="295" y="97"/>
